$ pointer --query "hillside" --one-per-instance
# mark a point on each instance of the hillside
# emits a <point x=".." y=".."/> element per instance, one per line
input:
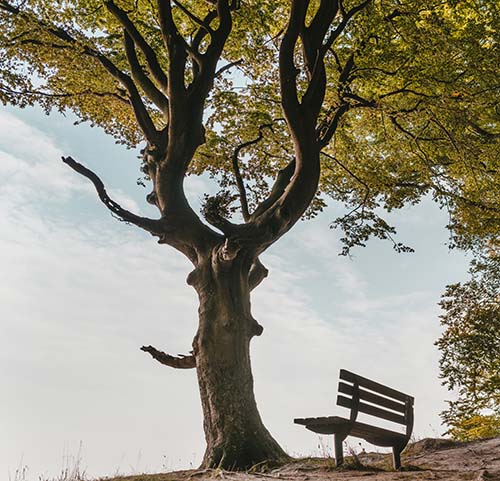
<point x="428" y="459"/>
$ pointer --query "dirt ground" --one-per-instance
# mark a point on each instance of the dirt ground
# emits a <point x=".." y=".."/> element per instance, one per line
<point x="428" y="459"/>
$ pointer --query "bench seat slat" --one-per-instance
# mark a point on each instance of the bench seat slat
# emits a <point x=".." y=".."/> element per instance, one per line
<point x="372" y="410"/>
<point x="373" y="398"/>
<point x="332" y="424"/>
<point x="323" y="425"/>
<point x="373" y="386"/>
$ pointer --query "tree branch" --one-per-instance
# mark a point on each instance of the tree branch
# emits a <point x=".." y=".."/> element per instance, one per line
<point x="154" y="227"/>
<point x="177" y="49"/>
<point x="227" y="67"/>
<point x="314" y="54"/>
<point x="143" y="119"/>
<point x="345" y="20"/>
<point x="288" y="70"/>
<point x="279" y="186"/>
<point x="151" y="59"/>
<point x="203" y="81"/>
<point x="327" y="130"/>
<point x="202" y="33"/>
<point x="141" y="113"/>
<point x="150" y="89"/>
<point x="484" y="133"/>
<point x="41" y="93"/>
<point x="198" y="21"/>
<point x="237" y="173"/>
<point x="178" y="362"/>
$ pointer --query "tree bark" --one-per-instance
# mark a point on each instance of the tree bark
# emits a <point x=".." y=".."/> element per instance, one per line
<point x="235" y="435"/>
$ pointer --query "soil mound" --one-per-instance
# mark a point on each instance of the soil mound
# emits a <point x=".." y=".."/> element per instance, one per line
<point x="428" y="459"/>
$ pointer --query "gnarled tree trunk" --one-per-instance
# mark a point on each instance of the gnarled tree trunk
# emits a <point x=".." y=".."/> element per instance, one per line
<point x="236" y="437"/>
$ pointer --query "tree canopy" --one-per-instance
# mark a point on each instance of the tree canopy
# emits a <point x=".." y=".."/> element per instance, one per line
<point x="411" y="103"/>
<point x="287" y="105"/>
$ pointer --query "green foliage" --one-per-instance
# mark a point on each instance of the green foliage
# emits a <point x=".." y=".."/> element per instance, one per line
<point x="470" y="351"/>
<point x="417" y="82"/>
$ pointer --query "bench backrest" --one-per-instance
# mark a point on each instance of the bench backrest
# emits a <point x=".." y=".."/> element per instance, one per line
<point x="384" y="402"/>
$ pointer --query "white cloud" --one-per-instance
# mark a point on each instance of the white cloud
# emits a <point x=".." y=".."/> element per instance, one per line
<point x="78" y="299"/>
<point x="79" y="295"/>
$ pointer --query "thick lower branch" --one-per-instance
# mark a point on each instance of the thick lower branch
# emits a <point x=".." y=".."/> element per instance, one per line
<point x="177" y="362"/>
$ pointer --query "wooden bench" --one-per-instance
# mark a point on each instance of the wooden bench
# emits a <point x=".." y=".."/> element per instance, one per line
<point x="384" y="402"/>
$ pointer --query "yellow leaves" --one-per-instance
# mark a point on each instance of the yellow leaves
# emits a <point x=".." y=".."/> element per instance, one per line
<point x="476" y="427"/>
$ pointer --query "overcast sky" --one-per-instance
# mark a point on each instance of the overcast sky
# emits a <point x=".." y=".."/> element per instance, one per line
<point x="80" y="292"/>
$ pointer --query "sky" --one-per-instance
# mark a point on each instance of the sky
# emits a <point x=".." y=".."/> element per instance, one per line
<point x="80" y="293"/>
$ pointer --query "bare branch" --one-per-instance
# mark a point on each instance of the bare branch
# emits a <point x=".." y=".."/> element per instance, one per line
<point x="177" y="362"/>
<point x="314" y="54"/>
<point x="288" y="70"/>
<point x="237" y="173"/>
<point x="405" y="90"/>
<point x="202" y="33"/>
<point x="227" y="67"/>
<point x="41" y="93"/>
<point x="155" y="227"/>
<point x="349" y="171"/>
<point x="296" y="186"/>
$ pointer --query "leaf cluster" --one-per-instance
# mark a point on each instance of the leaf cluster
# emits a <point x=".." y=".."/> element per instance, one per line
<point x="470" y="351"/>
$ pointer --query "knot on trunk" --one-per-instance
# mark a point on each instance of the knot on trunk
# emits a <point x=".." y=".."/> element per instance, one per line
<point x="192" y="278"/>
<point x="258" y="272"/>
<point x="152" y="198"/>
<point x="255" y="328"/>
<point x="229" y="250"/>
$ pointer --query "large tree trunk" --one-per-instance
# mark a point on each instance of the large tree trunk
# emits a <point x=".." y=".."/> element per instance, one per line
<point x="235" y="435"/>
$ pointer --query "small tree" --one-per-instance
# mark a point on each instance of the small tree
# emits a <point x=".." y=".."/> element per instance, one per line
<point x="371" y="103"/>
<point x="470" y="352"/>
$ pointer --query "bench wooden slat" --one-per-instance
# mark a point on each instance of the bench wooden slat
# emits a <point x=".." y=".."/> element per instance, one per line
<point x="323" y="425"/>
<point x="331" y="425"/>
<point x="321" y="420"/>
<point x="361" y="430"/>
<point x="373" y="386"/>
<point x="372" y="398"/>
<point x="372" y="410"/>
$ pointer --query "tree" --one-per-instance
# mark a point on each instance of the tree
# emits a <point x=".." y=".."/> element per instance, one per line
<point x="371" y="103"/>
<point x="470" y="351"/>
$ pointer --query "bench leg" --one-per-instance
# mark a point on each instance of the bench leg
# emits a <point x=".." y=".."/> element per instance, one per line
<point x="339" y="452"/>
<point x="396" y="457"/>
